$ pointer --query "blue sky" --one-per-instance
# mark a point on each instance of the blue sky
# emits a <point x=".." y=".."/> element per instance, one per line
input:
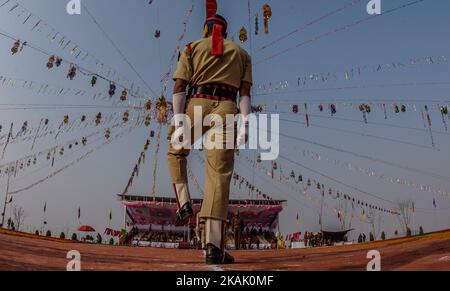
<point x="416" y="31"/>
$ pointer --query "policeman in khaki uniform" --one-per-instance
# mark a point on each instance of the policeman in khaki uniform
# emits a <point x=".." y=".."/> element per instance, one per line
<point x="215" y="70"/>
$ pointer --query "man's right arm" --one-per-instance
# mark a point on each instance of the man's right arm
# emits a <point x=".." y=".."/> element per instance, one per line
<point x="178" y="104"/>
<point x="246" y="86"/>
<point x="179" y="96"/>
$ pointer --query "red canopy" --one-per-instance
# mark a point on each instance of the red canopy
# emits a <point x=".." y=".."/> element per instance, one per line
<point x="161" y="211"/>
<point x="86" y="228"/>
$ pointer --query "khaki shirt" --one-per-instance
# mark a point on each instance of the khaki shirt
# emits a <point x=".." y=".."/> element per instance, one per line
<point x="199" y="67"/>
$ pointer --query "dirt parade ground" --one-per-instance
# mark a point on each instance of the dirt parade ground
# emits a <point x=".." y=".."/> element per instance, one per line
<point x="27" y="252"/>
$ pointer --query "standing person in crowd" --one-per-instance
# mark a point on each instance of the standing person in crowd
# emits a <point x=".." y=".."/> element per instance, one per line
<point x="237" y="231"/>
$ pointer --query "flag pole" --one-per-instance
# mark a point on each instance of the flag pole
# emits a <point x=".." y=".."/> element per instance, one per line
<point x="125" y="217"/>
<point x="43" y="217"/>
<point x="321" y="210"/>
<point x="6" y="200"/>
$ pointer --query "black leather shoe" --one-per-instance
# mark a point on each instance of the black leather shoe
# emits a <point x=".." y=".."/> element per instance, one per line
<point x="184" y="214"/>
<point x="215" y="256"/>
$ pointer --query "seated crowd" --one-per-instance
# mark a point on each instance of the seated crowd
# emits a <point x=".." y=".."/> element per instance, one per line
<point x="253" y="237"/>
<point x="160" y="236"/>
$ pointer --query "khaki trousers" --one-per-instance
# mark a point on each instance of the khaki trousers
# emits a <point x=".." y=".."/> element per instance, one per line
<point x="219" y="162"/>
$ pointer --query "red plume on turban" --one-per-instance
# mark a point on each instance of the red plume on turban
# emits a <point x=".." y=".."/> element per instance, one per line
<point x="211" y="8"/>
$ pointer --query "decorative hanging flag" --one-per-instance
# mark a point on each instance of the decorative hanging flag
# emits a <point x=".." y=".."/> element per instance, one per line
<point x="79" y="212"/>
<point x="306" y="115"/>
<point x="297" y="219"/>
<point x="157" y="33"/>
<point x="51" y="61"/>
<point x="243" y="35"/>
<point x="256" y="24"/>
<point x="434" y="203"/>
<point x="7" y="140"/>
<point x="385" y="112"/>
<point x="429" y="123"/>
<point x="444" y="112"/>
<point x="93" y="81"/>
<point x="267" y="15"/>
<point x="15" y="47"/>
<point x="110" y="214"/>
<point x="72" y="72"/>
<point x="45" y="207"/>
<point x="365" y="109"/>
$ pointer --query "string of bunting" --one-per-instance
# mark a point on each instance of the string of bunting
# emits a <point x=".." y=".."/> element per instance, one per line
<point x="303" y="27"/>
<point x="56" y="159"/>
<point x="352" y="73"/>
<point x="74" y="69"/>
<point x="340" y="212"/>
<point x="366" y="109"/>
<point x="107" y="136"/>
<point x="73" y="163"/>
<point x="337" y="30"/>
<point x="306" y="194"/>
<point x="47" y="128"/>
<point x="118" y="50"/>
<point x="332" y="107"/>
<point x="62" y="42"/>
<point x="304" y="183"/>
<point x="51" y="154"/>
<point x="367" y="157"/>
<point x="155" y="166"/>
<point x="66" y="125"/>
<point x="241" y="181"/>
<point x="176" y="54"/>
<point x="163" y="112"/>
<point x="40" y="88"/>
<point x="361" y="134"/>
<point x="194" y="178"/>
<point x="237" y="179"/>
<point x="313" y="155"/>
<point x="373" y="123"/>
<point x="139" y="163"/>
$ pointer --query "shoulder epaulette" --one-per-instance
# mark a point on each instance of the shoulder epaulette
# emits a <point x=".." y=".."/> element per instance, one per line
<point x="189" y="49"/>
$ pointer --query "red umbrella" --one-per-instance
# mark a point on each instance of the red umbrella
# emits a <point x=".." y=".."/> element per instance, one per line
<point x="86" y="228"/>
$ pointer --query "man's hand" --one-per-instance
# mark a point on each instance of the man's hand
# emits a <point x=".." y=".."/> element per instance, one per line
<point x="242" y="134"/>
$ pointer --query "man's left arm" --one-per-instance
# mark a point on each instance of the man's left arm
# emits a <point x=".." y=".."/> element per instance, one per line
<point x="246" y="87"/>
<point x="245" y="104"/>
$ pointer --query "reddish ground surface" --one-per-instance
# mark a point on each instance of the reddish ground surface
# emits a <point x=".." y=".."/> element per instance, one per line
<point x="23" y="252"/>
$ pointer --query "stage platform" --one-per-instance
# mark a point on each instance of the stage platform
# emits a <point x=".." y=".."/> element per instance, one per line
<point x="429" y="252"/>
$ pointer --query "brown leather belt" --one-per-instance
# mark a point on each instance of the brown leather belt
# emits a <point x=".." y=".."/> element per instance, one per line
<point x="216" y="92"/>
